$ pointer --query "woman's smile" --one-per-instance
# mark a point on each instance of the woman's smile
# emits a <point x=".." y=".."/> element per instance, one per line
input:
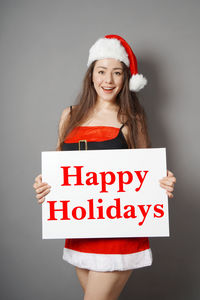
<point x="108" y="90"/>
<point x="108" y="78"/>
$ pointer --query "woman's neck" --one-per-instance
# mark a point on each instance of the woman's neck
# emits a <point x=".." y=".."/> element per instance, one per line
<point x="105" y="105"/>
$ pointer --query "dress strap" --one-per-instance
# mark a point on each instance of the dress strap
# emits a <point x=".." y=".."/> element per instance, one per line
<point x="123" y="125"/>
<point x="70" y="110"/>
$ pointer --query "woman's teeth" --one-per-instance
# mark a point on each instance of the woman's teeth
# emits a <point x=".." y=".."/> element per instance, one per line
<point x="107" y="89"/>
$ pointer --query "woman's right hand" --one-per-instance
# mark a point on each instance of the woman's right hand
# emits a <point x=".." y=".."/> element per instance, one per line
<point x="41" y="188"/>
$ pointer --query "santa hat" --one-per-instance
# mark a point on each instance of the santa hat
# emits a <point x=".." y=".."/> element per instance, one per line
<point x="114" y="46"/>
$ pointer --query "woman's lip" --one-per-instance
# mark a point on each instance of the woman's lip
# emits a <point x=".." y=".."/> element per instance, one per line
<point x="109" y="87"/>
<point x="108" y="90"/>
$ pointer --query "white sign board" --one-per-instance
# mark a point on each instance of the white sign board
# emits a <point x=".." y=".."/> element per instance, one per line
<point x="105" y="193"/>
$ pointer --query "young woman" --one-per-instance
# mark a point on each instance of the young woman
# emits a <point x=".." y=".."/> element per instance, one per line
<point x="107" y="115"/>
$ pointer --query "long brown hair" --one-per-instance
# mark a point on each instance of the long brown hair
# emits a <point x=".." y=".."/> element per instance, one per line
<point x="130" y="111"/>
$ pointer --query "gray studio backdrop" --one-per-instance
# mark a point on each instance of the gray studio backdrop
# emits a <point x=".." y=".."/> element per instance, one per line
<point x="43" y="54"/>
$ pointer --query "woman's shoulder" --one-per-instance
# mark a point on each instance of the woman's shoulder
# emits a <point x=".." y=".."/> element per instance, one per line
<point x="67" y="111"/>
<point x="65" y="115"/>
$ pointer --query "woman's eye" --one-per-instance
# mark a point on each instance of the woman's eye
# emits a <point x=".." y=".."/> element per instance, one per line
<point x="117" y="73"/>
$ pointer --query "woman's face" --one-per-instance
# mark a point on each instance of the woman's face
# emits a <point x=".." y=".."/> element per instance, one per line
<point x="108" y="77"/>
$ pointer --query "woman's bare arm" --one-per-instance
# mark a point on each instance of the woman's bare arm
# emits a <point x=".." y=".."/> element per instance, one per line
<point x="64" y="117"/>
<point x="42" y="188"/>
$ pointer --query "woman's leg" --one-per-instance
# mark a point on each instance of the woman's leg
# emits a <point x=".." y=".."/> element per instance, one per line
<point x="82" y="275"/>
<point x="106" y="285"/>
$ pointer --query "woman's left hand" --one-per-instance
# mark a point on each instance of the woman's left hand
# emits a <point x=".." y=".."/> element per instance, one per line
<point x="168" y="183"/>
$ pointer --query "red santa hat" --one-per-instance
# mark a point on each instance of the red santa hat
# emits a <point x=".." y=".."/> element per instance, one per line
<point x="114" y="46"/>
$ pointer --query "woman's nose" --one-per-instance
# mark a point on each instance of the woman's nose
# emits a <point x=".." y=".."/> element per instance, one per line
<point x="108" y="78"/>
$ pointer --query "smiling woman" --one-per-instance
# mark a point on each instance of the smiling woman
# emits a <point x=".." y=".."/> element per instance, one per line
<point x="108" y="78"/>
<point x="119" y="100"/>
<point x="107" y="115"/>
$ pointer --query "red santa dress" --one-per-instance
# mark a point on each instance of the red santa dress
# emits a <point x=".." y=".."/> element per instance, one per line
<point x="104" y="254"/>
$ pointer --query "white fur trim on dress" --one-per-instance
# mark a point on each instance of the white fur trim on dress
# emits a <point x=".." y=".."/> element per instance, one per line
<point x="108" y="262"/>
<point x="137" y="82"/>
<point x="108" y="48"/>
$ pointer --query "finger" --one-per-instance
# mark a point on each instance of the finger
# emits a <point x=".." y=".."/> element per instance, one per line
<point x="41" y="195"/>
<point x="173" y="179"/>
<point x="167" y="187"/>
<point x="170" y="195"/>
<point x="39" y="185"/>
<point x="166" y="182"/>
<point x="41" y="200"/>
<point x="38" y="178"/>
<point x="42" y="189"/>
<point x="169" y="173"/>
<point x="170" y="179"/>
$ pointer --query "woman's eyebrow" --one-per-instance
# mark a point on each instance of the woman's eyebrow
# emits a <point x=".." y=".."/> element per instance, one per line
<point x="106" y="68"/>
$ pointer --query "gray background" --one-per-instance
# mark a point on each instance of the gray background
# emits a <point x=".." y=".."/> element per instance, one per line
<point x="44" y="50"/>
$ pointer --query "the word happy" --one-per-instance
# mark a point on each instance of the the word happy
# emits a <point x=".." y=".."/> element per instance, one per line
<point x="103" y="179"/>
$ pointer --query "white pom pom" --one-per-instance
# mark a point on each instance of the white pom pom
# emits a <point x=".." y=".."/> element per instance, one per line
<point x="137" y="82"/>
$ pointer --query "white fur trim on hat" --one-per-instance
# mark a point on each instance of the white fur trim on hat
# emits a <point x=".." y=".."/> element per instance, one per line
<point x="107" y="48"/>
<point x="137" y="82"/>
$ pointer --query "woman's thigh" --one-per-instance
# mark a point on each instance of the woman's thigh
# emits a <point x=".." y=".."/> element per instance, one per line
<point x="82" y="275"/>
<point x="106" y="285"/>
